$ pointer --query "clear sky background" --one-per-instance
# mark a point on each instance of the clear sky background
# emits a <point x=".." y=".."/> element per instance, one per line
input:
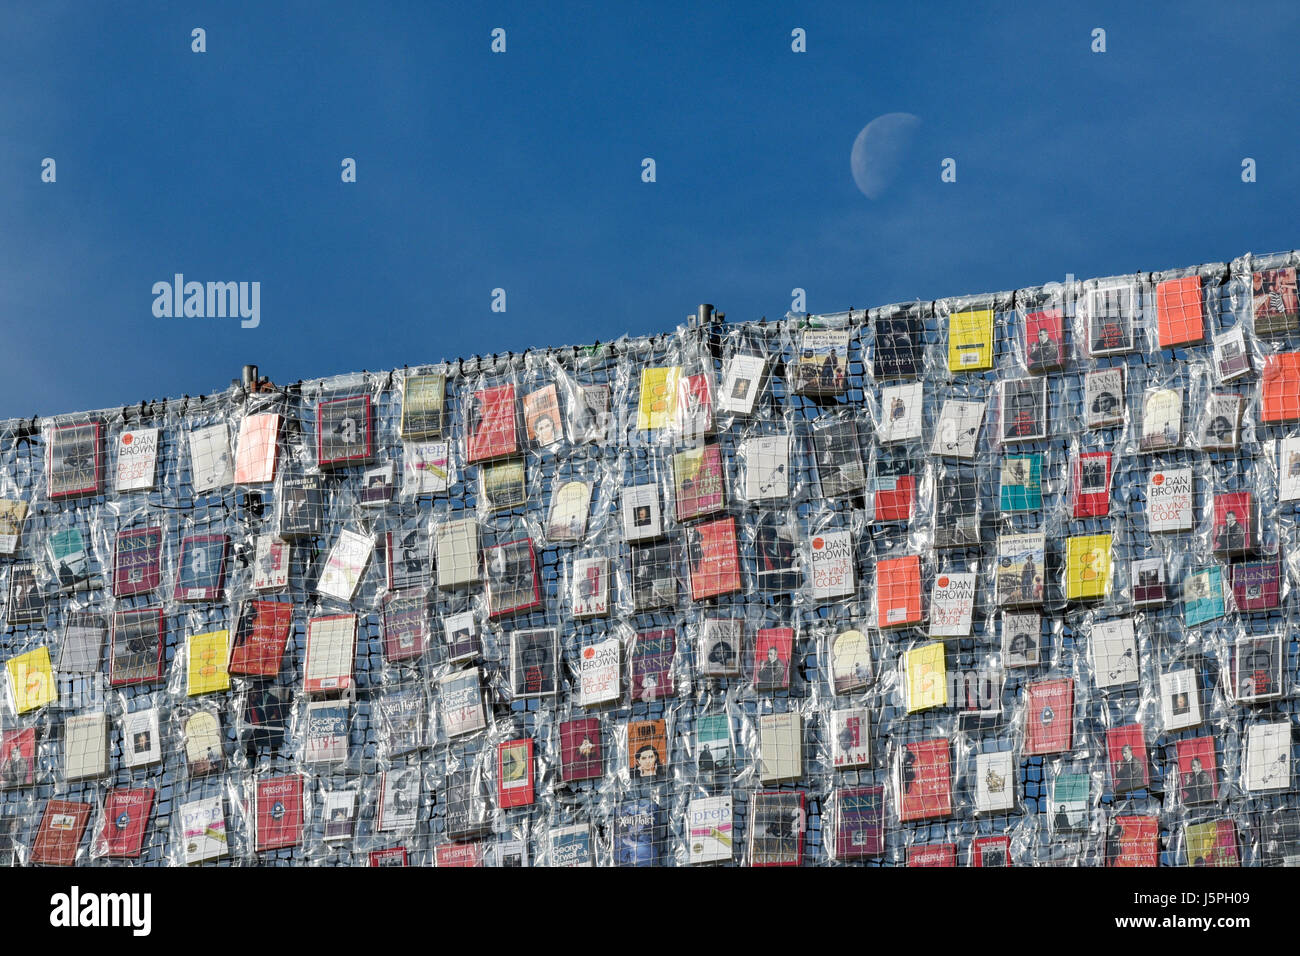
<point x="522" y="170"/>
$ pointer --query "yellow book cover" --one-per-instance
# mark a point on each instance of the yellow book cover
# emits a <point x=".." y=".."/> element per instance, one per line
<point x="208" y="655"/>
<point x="970" y="341"/>
<point x="31" y="679"/>
<point x="926" y="678"/>
<point x="658" y="405"/>
<point x="1087" y="567"/>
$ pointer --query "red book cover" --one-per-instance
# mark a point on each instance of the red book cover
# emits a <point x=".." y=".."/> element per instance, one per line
<point x="991" y="851"/>
<point x="895" y="491"/>
<point x="1126" y="750"/>
<point x="17" y="758"/>
<point x="137" y="561"/>
<point x="898" y="591"/>
<point x="1235" y="530"/>
<point x="1280" y="388"/>
<point x="1133" y="841"/>
<point x="651" y="664"/>
<point x="515" y="786"/>
<point x="924" y="780"/>
<point x="260" y="638"/>
<point x="391" y="856"/>
<point x="126" y="814"/>
<point x="694" y="404"/>
<point x="715" y="561"/>
<point x="1090" y="484"/>
<point x="1178" y="312"/>
<point x="62" y="827"/>
<point x="459" y="854"/>
<point x="1198" y="771"/>
<point x="1049" y="722"/>
<point x="1256" y="585"/>
<point x="580" y="752"/>
<point x="279" y="812"/>
<point x="932" y="854"/>
<point x="773" y="647"/>
<point x="492" y="426"/>
<point x="1044" y="340"/>
<point x="697" y="480"/>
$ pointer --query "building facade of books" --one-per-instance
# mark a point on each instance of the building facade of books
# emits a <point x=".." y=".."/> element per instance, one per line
<point x="1001" y="580"/>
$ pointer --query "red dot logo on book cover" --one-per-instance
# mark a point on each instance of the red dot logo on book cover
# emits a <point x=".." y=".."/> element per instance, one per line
<point x="1157" y="479"/>
<point x="943" y="581"/>
<point x="128" y="438"/>
<point x="818" y="543"/>
<point x="588" y="652"/>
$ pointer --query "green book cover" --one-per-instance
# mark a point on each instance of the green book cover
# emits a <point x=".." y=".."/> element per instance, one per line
<point x="1022" y="483"/>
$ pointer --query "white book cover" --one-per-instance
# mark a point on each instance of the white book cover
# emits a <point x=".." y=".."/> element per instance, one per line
<point x="1180" y="703"/>
<point x="642" y="517"/>
<point x="458" y="553"/>
<point x="589" y="589"/>
<point x="850" y="738"/>
<point x="461" y="631"/>
<point x="1268" y="756"/>
<point x="957" y="432"/>
<point x="740" y="384"/>
<point x="832" y="564"/>
<point x="271" y="563"/>
<point x="203" y="830"/>
<point x="767" y="467"/>
<point x="708" y="829"/>
<point x="1103" y="397"/>
<point x="1114" y="653"/>
<point x="599" y="671"/>
<point x="426" y="468"/>
<point x="1221" y="422"/>
<point x="339" y="813"/>
<point x="1169" y="499"/>
<point x="327" y="731"/>
<point x="900" y="412"/>
<point x="952" y="604"/>
<point x="399" y="799"/>
<point x="1231" y="359"/>
<point x="331" y="648"/>
<point x="1288" y="485"/>
<point x="345" y="565"/>
<point x="137" y="459"/>
<point x="995" y="781"/>
<point x="211" y="466"/>
<point x="141" y="745"/>
<point x="85" y="746"/>
<point x="780" y="747"/>
<point x="1162" y="419"/>
<point x="462" y="703"/>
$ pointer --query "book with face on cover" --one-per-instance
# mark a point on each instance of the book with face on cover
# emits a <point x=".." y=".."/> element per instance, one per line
<point x="137" y="459"/>
<point x="1275" y="303"/>
<point x="1180" y="700"/>
<point x="1024" y="409"/>
<point x="741" y="382"/>
<point x="1044" y="341"/>
<point x="1103" y="397"/>
<point x="271" y="563"/>
<point x="642" y="519"/>
<point x="589" y="414"/>
<point x="17" y="758"/>
<point x="776" y="834"/>
<point x="901" y="412"/>
<point x="1198" y="771"/>
<point x="899" y="343"/>
<point x="542" y="417"/>
<point x="840" y="468"/>
<point x="1221" y="422"/>
<point x="823" y="362"/>
<point x="1107" y="315"/>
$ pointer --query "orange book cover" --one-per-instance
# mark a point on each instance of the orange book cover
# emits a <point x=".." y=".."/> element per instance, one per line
<point x="1179" y="313"/>
<point x="898" y="591"/>
<point x="1280" y="388"/>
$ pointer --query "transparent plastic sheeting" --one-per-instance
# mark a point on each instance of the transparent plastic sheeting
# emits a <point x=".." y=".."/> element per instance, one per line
<point x="996" y="580"/>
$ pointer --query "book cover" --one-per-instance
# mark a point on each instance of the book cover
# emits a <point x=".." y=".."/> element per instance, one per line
<point x="377" y="485"/>
<point x="956" y="433"/>
<point x="1267" y="760"/>
<point x="502" y="485"/>
<point x="271" y="563"/>
<point x="599" y="670"/>
<point x="462" y="703"/>
<point x="719" y="647"/>
<point x="401" y="720"/>
<point x="1114" y="653"/>
<point x="657" y="404"/>
<point x="1180" y="701"/>
<point x="1126" y="751"/>
<point x="831" y="562"/>
<point x="642" y="518"/>
<point x="654" y="575"/>
<point x="590" y="415"/>
<point x="70" y="560"/>
<point x="952" y="604"/>
<point x="1148" y="577"/>
<point x="569" y="505"/>
<point x="647" y="750"/>
<point x="137" y="459"/>
<point x="899" y="340"/>
<point x="1179" y="315"/>
<point x="849" y="653"/>
<point x="260" y="638"/>
<point x="301" y="506"/>
<point x="202" y="740"/>
<point x="1090" y="484"/>
<point x="136" y="655"/>
<point x="427" y="468"/>
<point x="1133" y="841"/>
<point x="1069" y="804"/>
<point x="639" y="833"/>
<point x="1021" y="485"/>
<point x="510" y="578"/>
<point x="1221" y="422"/>
<point x="777" y="829"/>
<point x="694" y="405"/>
<point x="26" y="602"/>
<point x="570" y="846"/>
<point x="345" y="565"/>
<point x="650" y="664"/>
<point x="991" y="851"/>
<point x="1258" y="663"/>
<point x="741" y="383"/>
<point x="925" y="678"/>
<point x="63" y="824"/>
<point x="823" y="364"/>
<point x="1236" y="531"/>
<point x="389" y="856"/>
<point x="839" y="458"/>
<point x="461" y="632"/>
<point x="1198" y="776"/>
<point x="977" y="692"/>
<point x="534" y="663"/>
<point x="1257" y="585"/>
<point x="1023" y="405"/>
<point x="859" y="822"/>
<point x="1213" y="843"/>
<point x="850" y="730"/>
<point x="697" y="482"/>
<point x="780" y="747"/>
<point x="266" y="714"/>
<point x="85" y="746"/>
<point x="923" y="780"/>
<point x="17" y="758"/>
<point x="776" y="554"/>
<point x="1288" y="485"/>
<point x="589" y="588"/>
<point x="713" y="750"/>
<point x="767" y="467"/>
<point x="141" y="738"/>
<point x="1108" y="315"/>
<point x="932" y="855"/>
<point x="901" y="408"/>
<point x="1021" y="638"/>
<point x="460" y="855"/>
<point x="201" y="571"/>
<point x="423" y="398"/>
<point x="211" y="467"/>
<point x="206" y="659"/>
<point x="1203" y="596"/>
<point x="515" y="773"/>
<point x="74" y="461"/>
<point x="893" y="487"/>
<point x="1162" y="419"/>
<point x="1103" y="397"/>
<point x="1049" y="716"/>
<point x="203" y="830"/>
<point x="1280" y="388"/>
<point x="255" y="452"/>
<point x="1087" y="567"/>
<point x="468" y="813"/>
<point x="581" y="757"/>
<point x="343" y="431"/>
<point x="1278" y="837"/>
<point x="995" y="781"/>
<point x="709" y="829"/>
<point x="13" y="513"/>
<point x="542" y="420"/>
<point x="405" y="630"/>
<point x="457" y="553"/>
<point x="1169" y="500"/>
<point x="898" y="591"/>
<point x="1044" y="341"/>
<point x="31" y="680"/>
<point x="1231" y="356"/>
<point x="970" y="341"/>
<point x="1022" y="570"/>
<point x="491" y="428"/>
<point x="331" y="650"/>
<point x="399" y="799"/>
<point x="773" y="647"/>
<point x="126" y="813"/>
<point x="339" y="814"/>
<point x="1274" y="301"/>
<point x="404" y="556"/>
<point x="326" y="737"/>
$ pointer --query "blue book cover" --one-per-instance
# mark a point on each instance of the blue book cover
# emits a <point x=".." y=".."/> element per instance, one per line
<point x="637" y="833"/>
<point x="1203" y="596"/>
<point x="1022" y="483"/>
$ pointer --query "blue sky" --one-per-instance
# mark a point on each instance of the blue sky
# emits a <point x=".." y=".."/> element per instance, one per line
<point x="522" y="171"/>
